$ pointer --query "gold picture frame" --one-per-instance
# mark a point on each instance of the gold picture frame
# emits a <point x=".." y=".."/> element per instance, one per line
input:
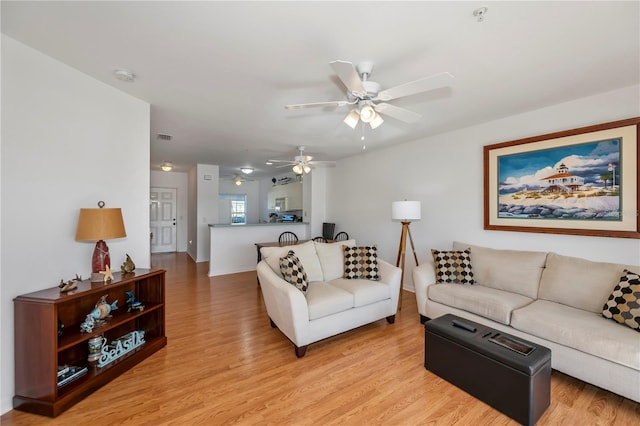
<point x="580" y="182"/>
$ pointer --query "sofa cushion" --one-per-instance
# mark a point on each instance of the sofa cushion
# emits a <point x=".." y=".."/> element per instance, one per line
<point x="453" y="266"/>
<point x="325" y="299"/>
<point x="582" y="330"/>
<point x="361" y="263"/>
<point x="293" y="272"/>
<point x="306" y="252"/>
<point x="517" y="271"/>
<point x="331" y="257"/>
<point x="364" y="291"/>
<point x="623" y="305"/>
<point x="485" y="301"/>
<point x="579" y="283"/>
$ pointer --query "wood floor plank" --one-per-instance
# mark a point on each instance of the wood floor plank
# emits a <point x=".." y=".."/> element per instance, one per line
<point x="225" y="365"/>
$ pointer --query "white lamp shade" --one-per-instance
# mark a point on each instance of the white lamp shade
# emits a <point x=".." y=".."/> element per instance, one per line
<point x="367" y="113"/>
<point x="352" y="118"/>
<point x="376" y="122"/>
<point x="405" y="211"/>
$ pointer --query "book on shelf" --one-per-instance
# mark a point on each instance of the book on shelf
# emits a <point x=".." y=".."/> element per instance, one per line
<point x="68" y="373"/>
<point x="62" y="370"/>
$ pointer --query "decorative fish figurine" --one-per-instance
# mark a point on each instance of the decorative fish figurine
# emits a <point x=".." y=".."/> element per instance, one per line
<point x="128" y="265"/>
<point x="103" y="309"/>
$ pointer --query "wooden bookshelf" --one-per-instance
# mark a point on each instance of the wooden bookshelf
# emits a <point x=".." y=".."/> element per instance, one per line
<point x="39" y="350"/>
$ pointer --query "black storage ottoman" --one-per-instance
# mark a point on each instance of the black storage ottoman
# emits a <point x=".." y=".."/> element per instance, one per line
<point x="510" y="374"/>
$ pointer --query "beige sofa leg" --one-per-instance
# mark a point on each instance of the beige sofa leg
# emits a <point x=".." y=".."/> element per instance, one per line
<point x="273" y="324"/>
<point x="391" y="319"/>
<point x="423" y="319"/>
<point x="300" y="351"/>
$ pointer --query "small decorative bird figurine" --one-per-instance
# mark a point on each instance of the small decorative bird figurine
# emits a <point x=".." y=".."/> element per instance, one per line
<point x="68" y="286"/>
<point x="128" y="265"/>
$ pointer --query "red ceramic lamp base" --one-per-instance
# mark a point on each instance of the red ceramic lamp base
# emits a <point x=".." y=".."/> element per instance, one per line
<point x="99" y="261"/>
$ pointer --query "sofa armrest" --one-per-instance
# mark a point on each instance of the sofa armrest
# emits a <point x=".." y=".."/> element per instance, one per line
<point x="390" y="275"/>
<point x="423" y="276"/>
<point x="286" y="305"/>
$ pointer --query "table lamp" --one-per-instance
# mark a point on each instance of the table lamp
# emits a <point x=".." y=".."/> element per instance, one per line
<point x="98" y="225"/>
<point x="405" y="212"/>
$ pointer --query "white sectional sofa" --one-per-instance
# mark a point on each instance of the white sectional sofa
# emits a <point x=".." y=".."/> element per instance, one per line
<point x="550" y="299"/>
<point x="332" y="304"/>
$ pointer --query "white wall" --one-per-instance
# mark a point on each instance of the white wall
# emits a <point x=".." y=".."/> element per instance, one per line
<point x="251" y="190"/>
<point x="315" y="200"/>
<point x="207" y="182"/>
<point x="63" y="139"/>
<point x="445" y="172"/>
<point x="192" y="213"/>
<point x="179" y="182"/>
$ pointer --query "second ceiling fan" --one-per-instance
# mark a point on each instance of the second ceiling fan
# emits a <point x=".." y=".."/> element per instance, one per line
<point x="371" y="101"/>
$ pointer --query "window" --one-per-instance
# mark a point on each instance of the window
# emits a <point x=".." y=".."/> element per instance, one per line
<point x="238" y="206"/>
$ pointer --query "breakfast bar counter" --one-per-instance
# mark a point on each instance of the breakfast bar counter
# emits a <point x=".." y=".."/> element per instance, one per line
<point x="232" y="247"/>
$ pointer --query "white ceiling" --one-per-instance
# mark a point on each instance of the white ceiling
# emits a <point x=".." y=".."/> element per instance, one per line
<point x="217" y="74"/>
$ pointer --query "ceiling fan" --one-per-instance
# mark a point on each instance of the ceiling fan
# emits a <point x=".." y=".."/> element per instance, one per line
<point x="302" y="164"/>
<point x="371" y="101"/>
<point x="238" y="179"/>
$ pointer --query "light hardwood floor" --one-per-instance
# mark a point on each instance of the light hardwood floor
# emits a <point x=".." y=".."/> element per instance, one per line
<point x="224" y="364"/>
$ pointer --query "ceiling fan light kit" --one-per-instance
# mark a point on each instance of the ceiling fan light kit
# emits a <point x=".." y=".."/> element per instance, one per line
<point x="166" y="166"/>
<point x="301" y="169"/>
<point x="371" y="99"/>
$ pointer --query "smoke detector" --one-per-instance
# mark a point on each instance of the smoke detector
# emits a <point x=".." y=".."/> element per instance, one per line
<point x="124" y="75"/>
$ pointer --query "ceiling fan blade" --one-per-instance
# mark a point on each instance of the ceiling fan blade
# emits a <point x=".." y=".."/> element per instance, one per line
<point x="318" y="104"/>
<point x="349" y="76"/>
<point x="281" y="161"/>
<point x="398" y="113"/>
<point x="422" y="85"/>
<point x="322" y="163"/>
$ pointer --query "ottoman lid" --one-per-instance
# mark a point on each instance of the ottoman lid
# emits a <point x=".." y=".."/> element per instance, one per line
<point x="480" y="341"/>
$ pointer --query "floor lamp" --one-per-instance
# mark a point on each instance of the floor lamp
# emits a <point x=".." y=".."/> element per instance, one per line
<point x="405" y="212"/>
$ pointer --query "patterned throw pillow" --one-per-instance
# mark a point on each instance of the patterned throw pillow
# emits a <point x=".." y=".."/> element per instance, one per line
<point x="623" y="305"/>
<point x="453" y="266"/>
<point x="361" y="262"/>
<point x="293" y="272"/>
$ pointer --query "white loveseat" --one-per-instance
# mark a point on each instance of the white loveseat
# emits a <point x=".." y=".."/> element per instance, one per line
<point x="550" y="299"/>
<point x="332" y="304"/>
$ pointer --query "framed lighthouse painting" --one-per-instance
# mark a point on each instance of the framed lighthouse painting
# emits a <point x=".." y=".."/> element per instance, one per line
<point x="581" y="181"/>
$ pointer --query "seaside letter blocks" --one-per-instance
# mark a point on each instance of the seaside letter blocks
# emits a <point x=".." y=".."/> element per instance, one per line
<point x="510" y="374"/>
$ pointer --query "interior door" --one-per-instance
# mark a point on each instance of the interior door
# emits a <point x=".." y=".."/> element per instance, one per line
<point x="162" y="211"/>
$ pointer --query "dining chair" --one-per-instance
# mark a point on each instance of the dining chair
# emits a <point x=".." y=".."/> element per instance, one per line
<point x="341" y="236"/>
<point x="287" y="237"/>
<point x="320" y="239"/>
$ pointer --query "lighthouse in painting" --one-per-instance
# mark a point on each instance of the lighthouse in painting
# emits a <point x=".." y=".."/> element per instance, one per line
<point x="563" y="181"/>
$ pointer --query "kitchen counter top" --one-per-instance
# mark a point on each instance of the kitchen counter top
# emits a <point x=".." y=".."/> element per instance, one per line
<point x="228" y="225"/>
